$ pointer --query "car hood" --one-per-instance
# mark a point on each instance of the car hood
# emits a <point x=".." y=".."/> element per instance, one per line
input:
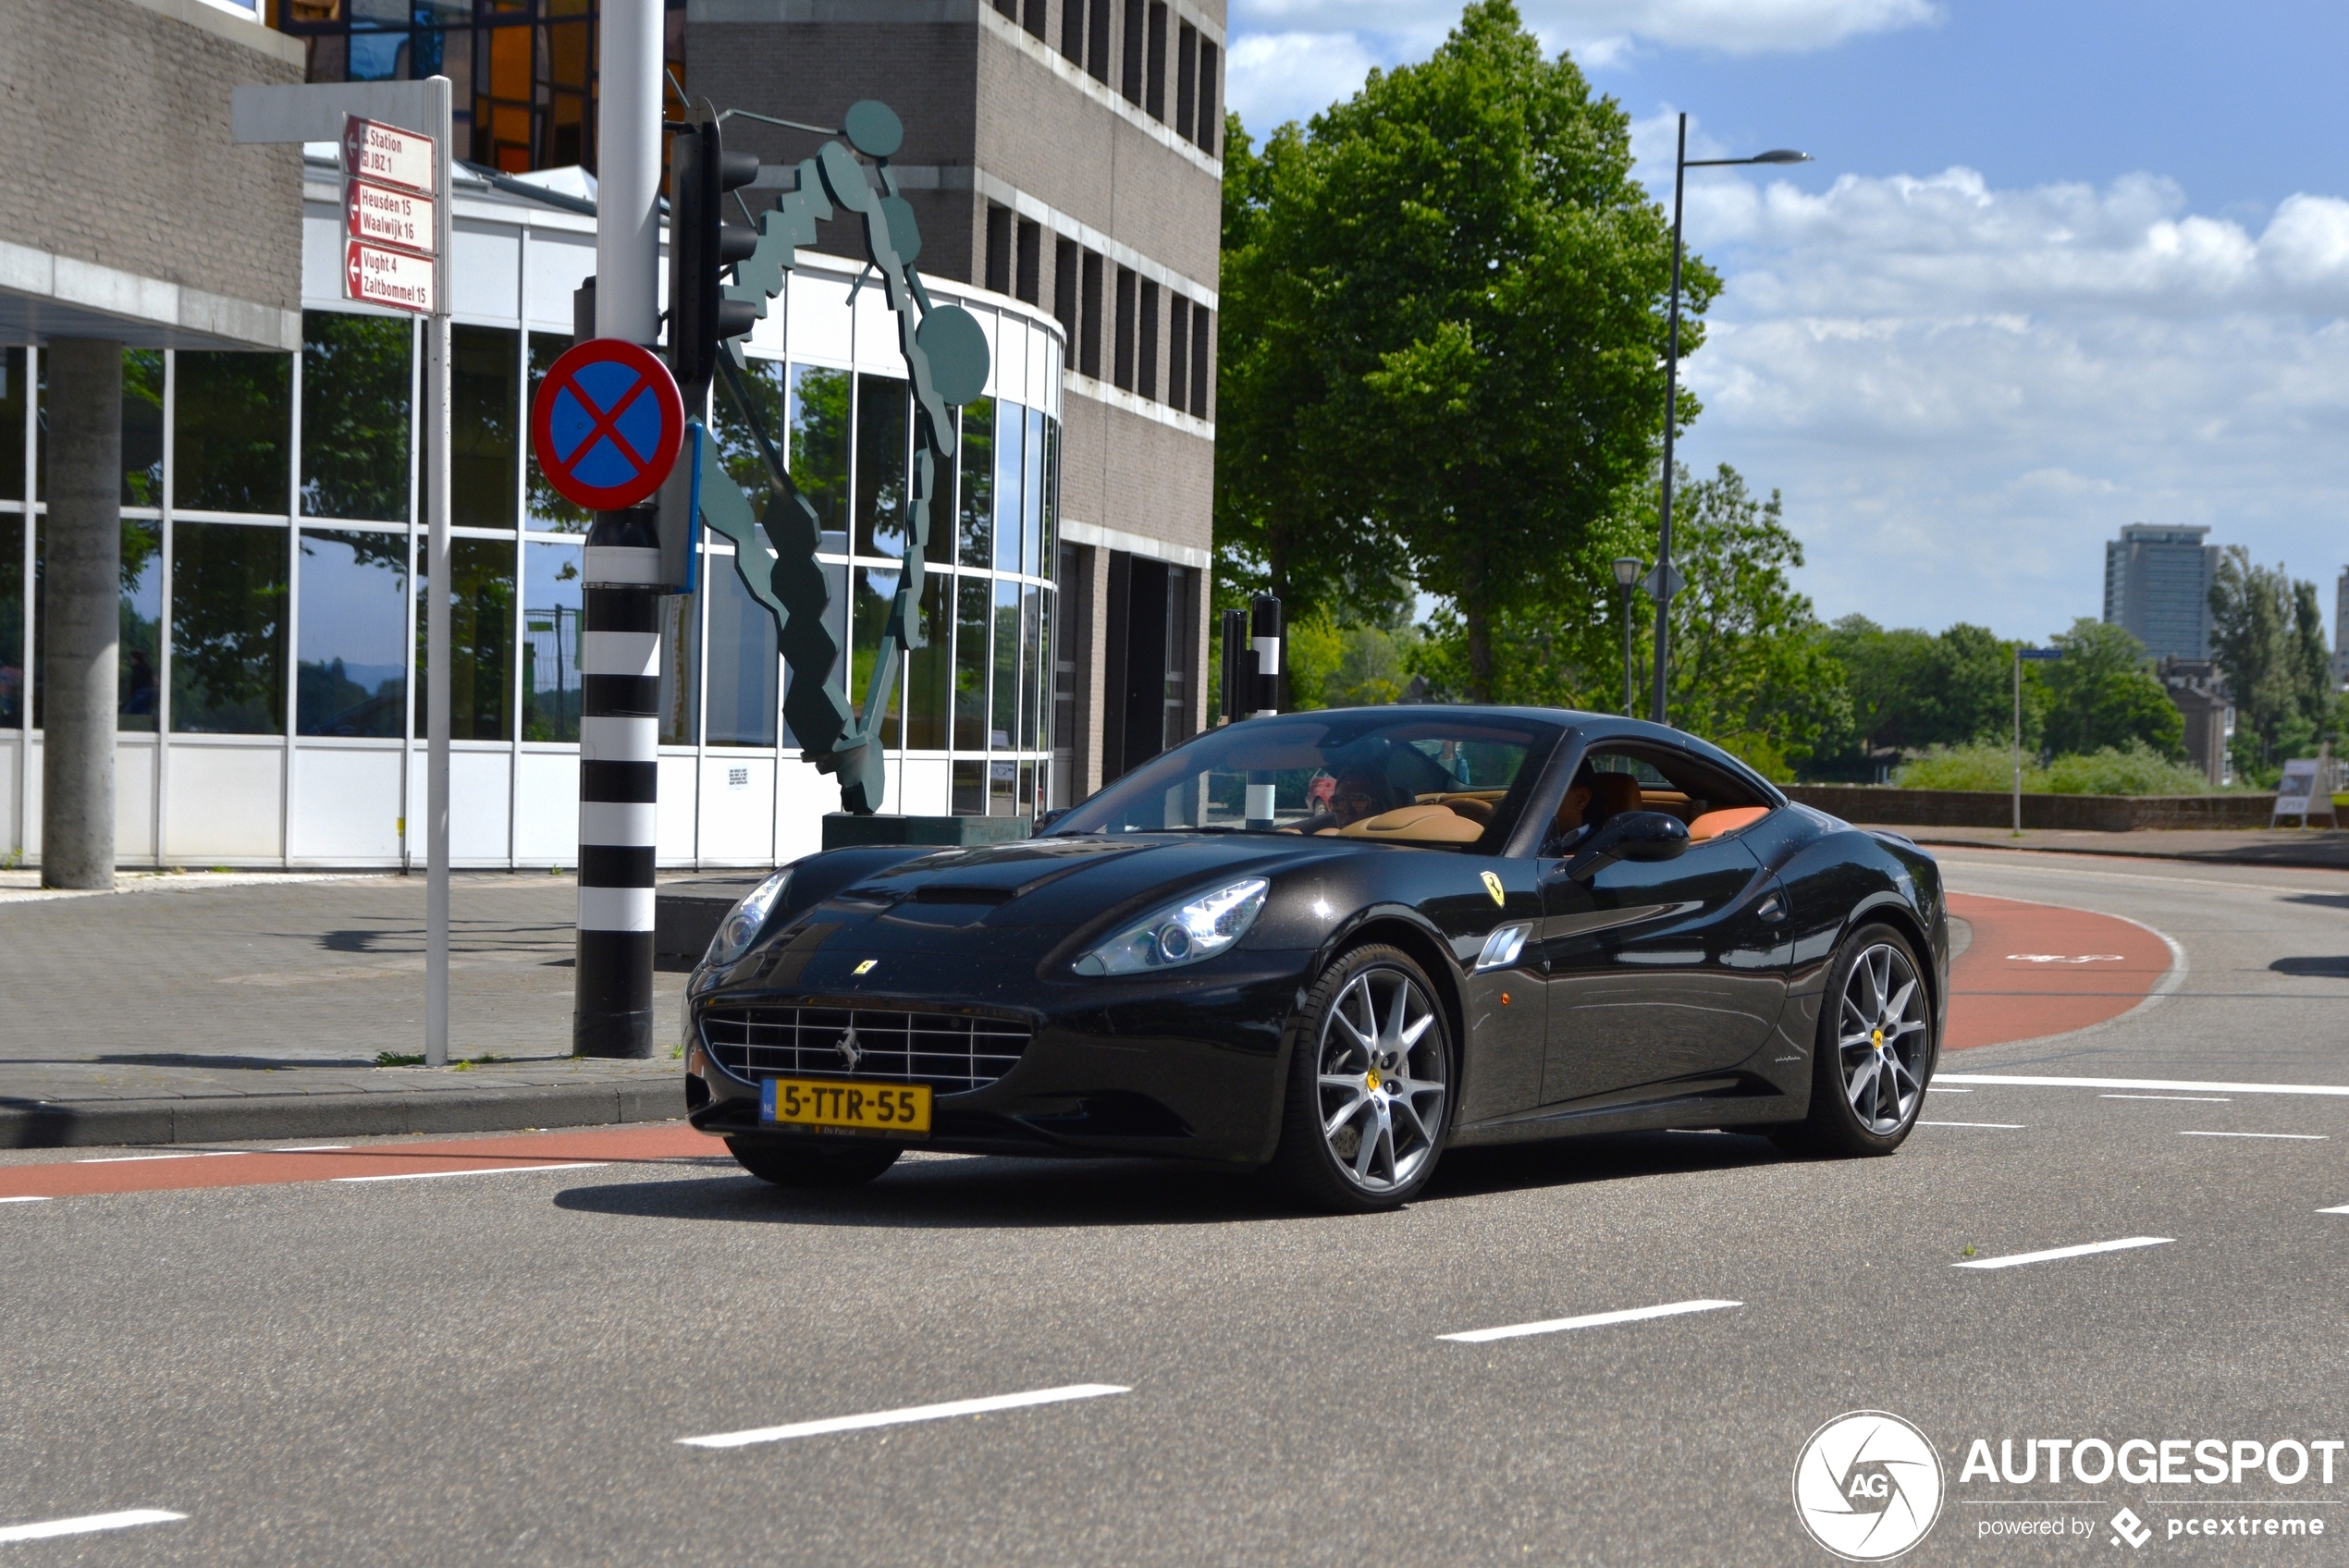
<point x="981" y="920"/>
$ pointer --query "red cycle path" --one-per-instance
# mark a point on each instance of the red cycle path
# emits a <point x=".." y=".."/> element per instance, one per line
<point x="256" y="1168"/>
<point x="2035" y="970"/>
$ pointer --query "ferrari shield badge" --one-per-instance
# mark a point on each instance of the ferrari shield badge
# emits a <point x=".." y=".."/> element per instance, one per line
<point x="1493" y="886"/>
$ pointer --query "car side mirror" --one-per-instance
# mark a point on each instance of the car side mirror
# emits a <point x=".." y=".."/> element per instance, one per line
<point x="1048" y="818"/>
<point x="1632" y="836"/>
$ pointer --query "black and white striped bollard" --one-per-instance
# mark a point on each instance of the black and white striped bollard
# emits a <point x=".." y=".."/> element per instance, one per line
<point x="619" y="774"/>
<point x="1264" y="639"/>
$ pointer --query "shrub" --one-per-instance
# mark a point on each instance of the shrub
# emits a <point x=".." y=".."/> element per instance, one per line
<point x="2133" y="769"/>
<point x="1981" y="765"/>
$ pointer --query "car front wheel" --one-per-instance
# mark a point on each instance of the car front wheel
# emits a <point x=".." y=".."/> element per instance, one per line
<point x="1875" y="1052"/>
<point x="1369" y="1086"/>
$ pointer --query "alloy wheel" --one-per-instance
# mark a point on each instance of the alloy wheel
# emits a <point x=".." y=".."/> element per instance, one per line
<point x="1381" y="1069"/>
<point x="1881" y="1036"/>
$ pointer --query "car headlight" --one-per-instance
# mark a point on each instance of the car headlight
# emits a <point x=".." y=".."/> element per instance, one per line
<point x="743" y="922"/>
<point x="1180" y="934"/>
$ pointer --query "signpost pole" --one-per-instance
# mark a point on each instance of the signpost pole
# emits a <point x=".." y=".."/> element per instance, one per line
<point x="2018" y="740"/>
<point x="435" y="576"/>
<point x="620" y="628"/>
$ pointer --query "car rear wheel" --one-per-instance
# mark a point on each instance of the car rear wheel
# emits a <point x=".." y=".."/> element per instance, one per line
<point x="1875" y="1052"/>
<point x="1369" y="1086"/>
<point x="852" y="1165"/>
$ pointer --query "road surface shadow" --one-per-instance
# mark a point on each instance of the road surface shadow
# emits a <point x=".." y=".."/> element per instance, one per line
<point x="1000" y="1193"/>
<point x="2321" y="968"/>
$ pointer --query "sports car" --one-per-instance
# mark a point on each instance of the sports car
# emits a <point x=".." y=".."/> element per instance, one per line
<point x="1334" y="944"/>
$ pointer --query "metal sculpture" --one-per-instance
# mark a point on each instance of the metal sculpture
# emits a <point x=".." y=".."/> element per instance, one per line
<point x="946" y="362"/>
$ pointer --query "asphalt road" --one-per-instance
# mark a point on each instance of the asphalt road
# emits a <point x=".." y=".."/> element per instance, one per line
<point x="501" y="1368"/>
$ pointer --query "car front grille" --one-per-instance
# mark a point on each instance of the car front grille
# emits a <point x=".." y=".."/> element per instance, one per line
<point x="954" y="1053"/>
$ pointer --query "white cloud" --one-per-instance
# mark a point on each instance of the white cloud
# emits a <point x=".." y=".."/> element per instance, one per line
<point x="1291" y="58"/>
<point x="1964" y="391"/>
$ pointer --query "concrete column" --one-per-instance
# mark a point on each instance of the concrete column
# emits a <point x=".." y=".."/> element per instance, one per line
<point x="82" y="577"/>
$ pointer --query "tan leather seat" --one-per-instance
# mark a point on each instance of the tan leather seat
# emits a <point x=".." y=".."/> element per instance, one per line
<point x="1714" y="823"/>
<point x="1614" y="793"/>
<point x="1425" y="824"/>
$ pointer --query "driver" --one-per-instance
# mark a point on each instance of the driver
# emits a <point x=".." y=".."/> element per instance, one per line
<point x="1359" y="795"/>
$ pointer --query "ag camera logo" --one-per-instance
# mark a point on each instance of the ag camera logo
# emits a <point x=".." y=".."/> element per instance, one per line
<point x="1867" y="1485"/>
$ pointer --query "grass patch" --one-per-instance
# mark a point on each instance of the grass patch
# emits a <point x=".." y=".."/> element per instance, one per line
<point x="416" y="1058"/>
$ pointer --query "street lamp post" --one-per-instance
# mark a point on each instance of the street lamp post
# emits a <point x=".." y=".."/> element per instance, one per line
<point x="1665" y="578"/>
<point x="1626" y="571"/>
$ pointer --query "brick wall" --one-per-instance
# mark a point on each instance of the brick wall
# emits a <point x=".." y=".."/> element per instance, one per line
<point x="1983" y="808"/>
<point x="114" y="131"/>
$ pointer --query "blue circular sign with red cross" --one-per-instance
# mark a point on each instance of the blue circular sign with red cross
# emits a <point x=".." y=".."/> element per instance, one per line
<point x="607" y="424"/>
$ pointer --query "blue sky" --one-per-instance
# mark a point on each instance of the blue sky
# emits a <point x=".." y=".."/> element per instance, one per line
<point x="2059" y="267"/>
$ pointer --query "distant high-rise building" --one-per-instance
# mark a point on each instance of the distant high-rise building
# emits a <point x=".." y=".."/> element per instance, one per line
<point x="2341" y="630"/>
<point x="2156" y="583"/>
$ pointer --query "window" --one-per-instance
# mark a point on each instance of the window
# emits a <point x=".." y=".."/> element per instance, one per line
<point x="1207" y="120"/>
<point x="1130" y="80"/>
<point x="738" y="447"/>
<point x="819" y="448"/>
<point x="1185" y="78"/>
<point x="484" y="425"/>
<point x="970" y="779"/>
<point x="1124" y="372"/>
<point x="868" y="618"/>
<point x="1030" y="285"/>
<point x="12" y="612"/>
<point x="970" y="664"/>
<point x="1073" y="32"/>
<point x="975" y="492"/>
<point x="1010" y="464"/>
<point x="139" y="655"/>
<point x="1035" y="20"/>
<point x="350" y="669"/>
<point x="141" y="427"/>
<point x="1178" y="350"/>
<point x="1146" y="340"/>
<point x="1031" y="500"/>
<point x="680" y="668"/>
<point x="999" y="249"/>
<point x="1031" y="643"/>
<point x="743" y="668"/>
<point x="13" y="391"/>
<point x="1067" y="272"/>
<point x="1096" y="37"/>
<point x="882" y="409"/>
<point x="481" y="634"/>
<point x="1202" y="344"/>
<point x="1003" y="720"/>
<point x="233" y="421"/>
<point x="355" y="380"/>
<point x="931" y="670"/>
<point x="228" y="625"/>
<point x="1089" y="344"/>
<point x="1155" y="68"/>
<point x="550" y="619"/>
<point x="549" y="511"/>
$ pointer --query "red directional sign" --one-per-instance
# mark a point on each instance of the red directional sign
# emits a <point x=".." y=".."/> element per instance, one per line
<point x="387" y="277"/>
<point x="386" y="155"/>
<point x="607" y="424"/>
<point x="381" y="216"/>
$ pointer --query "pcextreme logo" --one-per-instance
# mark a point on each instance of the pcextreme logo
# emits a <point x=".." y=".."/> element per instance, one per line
<point x="1867" y="1485"/>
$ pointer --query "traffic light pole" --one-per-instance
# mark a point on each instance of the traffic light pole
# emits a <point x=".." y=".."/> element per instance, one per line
<point x="620" y="628"/>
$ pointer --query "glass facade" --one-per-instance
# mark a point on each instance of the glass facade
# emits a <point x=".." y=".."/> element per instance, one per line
<point x="273" y="580"/>
<point x="524" y="70"/>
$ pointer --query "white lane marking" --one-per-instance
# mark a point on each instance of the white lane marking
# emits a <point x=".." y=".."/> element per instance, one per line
<point x="1594" y="1320"/>
<point x="2187" y="1084"/>
<point x="1997" y="1126"/>
<point x="88" y="1523"/>
<point x="2197" y="1099"/>
<point x="24" y="1200"/>
<point x="310" y="1148"/>
<point x="2302" y="1137"/>
<point x="2343" y="1210"/>
<point x="2064" y="958"/>
<point x="134" y="1159"/>
<point x="1948" y="1091"/>
<point x="2123" y="1245"/>
<point x="900" y="1417"/>
<point x="492" y="1171"/>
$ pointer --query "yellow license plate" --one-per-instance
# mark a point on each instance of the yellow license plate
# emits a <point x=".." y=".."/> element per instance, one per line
<point x="868" y="1108"/>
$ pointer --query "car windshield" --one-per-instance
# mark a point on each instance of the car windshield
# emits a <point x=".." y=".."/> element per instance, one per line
<point x="1413" y="775"/>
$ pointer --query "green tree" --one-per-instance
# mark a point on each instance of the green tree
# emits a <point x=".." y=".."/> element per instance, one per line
<point x="2102" y="692"/>
<point x="1445" y="308"/>
<point x="1911" y="689"/>
<point x="2268" y="636"/>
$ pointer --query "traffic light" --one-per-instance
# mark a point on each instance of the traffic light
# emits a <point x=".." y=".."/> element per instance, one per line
<point x="701" y="247"/>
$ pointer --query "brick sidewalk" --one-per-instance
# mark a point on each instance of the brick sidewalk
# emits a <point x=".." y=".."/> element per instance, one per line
<point x="183" y="1005"/>
<point x="2322" y="848"/>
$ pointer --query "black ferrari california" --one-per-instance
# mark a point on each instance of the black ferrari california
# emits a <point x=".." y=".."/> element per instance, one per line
<point x="1336" y="944"/>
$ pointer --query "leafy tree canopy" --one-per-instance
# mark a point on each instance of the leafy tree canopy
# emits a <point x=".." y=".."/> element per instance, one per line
<point x="2268" y="639"/>
<point x="2103" y="694"/>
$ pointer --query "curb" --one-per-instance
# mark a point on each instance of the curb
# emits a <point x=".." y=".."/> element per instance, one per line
<point x="78" y="1124"/>
<point x="2219" y="857"/>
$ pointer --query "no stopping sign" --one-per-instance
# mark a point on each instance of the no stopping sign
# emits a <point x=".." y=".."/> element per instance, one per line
<point x="607" y="424"/>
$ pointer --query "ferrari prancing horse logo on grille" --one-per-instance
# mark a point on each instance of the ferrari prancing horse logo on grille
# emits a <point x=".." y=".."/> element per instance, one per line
<point x="851" y="1053"/>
